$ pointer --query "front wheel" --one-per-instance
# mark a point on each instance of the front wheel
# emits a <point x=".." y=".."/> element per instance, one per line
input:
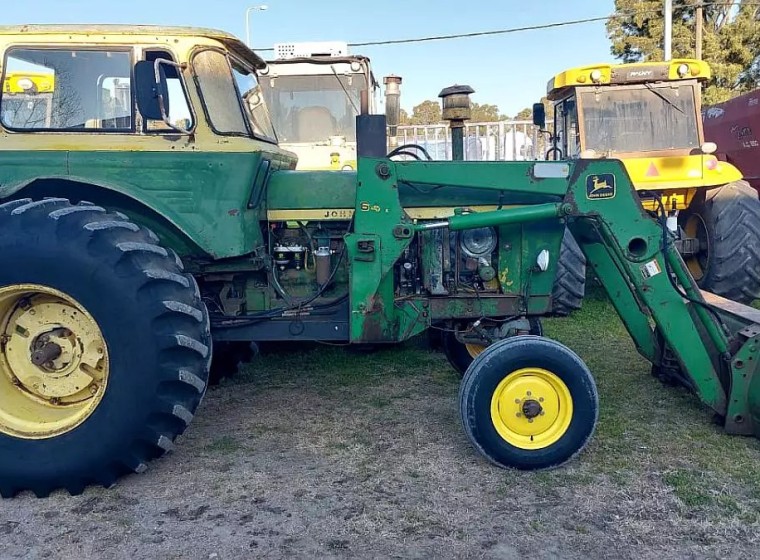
<point x="528" y="403"/>
<point x="727" y="227"/>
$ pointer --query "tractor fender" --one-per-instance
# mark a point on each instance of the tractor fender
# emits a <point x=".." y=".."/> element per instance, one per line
<point x="114" y="198"/>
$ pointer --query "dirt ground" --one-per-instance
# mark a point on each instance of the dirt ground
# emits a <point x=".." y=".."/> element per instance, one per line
<point x="325" y="453"/>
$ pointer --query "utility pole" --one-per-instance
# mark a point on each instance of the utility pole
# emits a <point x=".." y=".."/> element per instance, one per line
<point x="668" y="43"/>
<point x="698" y="33"/>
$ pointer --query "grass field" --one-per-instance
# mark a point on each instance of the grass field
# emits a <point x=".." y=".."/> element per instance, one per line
<point x="326" y="452"/>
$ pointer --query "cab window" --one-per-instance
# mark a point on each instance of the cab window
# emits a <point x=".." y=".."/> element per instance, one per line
<point x="566" y="114"/>
<point x="180" y="113"/>
<point x="66" y="89"/>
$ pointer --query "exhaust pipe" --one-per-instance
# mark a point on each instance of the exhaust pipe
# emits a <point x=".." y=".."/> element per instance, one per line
<point x="392" y="108"/>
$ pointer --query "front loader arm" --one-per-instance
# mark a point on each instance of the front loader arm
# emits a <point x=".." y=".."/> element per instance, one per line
<point x="645" y="277"/>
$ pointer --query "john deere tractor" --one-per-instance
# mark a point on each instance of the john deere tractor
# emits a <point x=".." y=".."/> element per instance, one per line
<point x="649" y="116"/>
<point x="152" y="222"/>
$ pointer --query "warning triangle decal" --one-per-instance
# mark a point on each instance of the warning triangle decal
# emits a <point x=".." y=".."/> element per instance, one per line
<point x="652" y="171"/>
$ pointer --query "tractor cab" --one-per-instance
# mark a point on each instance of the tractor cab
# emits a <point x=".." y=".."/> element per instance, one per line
<point x="314" y="92"/>
<point x="648" y="115"/>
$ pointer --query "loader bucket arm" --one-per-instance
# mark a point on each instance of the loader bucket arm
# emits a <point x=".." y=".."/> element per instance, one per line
<point x="715" y="342"/>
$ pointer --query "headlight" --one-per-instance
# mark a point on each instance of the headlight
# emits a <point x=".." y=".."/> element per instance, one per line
<point x="478" y="242"/>
<point x="346" y="168"/>
<point x="25" y="83"/>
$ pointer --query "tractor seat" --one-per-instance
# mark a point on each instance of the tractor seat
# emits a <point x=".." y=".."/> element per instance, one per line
<point x="314" y="124"/>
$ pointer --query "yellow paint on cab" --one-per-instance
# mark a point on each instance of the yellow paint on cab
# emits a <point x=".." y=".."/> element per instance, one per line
<point x="611" y="73"/>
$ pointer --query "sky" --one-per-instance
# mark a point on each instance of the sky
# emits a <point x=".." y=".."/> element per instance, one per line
<point x="510" y="70"/>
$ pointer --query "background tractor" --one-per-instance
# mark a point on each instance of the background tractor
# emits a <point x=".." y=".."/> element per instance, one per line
<point x="154" y="218"/>
<point x="314" y="92"/>
<point x="649" y="116"/>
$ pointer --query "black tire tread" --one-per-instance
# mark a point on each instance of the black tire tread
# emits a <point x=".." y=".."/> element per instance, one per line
<point x="181" y="374"/>
<point x="570" y="282"/>
<point x="733" y="217"/>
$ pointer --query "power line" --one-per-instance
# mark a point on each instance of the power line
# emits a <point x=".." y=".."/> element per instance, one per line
<point x="479" y="33"/>
<point x="705" y="3"/>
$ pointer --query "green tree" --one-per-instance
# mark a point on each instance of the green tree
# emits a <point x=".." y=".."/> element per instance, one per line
<point x="427" y="112"/>
<point x="524" y="115"/>
<point x="403" y="118"/>
<point x="731" y="43"/>
<point x="486" y="113"/>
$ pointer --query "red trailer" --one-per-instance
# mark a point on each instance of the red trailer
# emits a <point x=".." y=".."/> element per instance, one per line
<point x="735" y="127"/>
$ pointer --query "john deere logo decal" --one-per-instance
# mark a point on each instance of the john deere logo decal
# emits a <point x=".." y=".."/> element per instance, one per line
<point x="600" y="186"/>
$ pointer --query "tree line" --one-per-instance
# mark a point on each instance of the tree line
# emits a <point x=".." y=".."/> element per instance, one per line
<point x="730" y="45"/>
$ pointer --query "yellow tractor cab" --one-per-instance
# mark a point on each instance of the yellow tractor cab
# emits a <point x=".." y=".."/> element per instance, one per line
<point x="28" y="96"/>
<point x="649" y="116"/>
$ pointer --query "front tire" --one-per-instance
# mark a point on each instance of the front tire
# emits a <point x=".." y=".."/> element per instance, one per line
<point x="59" y="261"/>
<point x="727" y="223"/>
<point x="528" y="403"/>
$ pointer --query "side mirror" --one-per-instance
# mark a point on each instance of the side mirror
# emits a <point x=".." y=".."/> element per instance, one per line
<point x="539" y="115"/>
<point x="152" y="90"/>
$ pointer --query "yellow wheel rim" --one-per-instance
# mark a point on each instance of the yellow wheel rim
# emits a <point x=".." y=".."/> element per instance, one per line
<point x="695" y="227"/>
<point x="53" y="362"/>
<point x="474" y="350"/>
<point x="531" y="408"/>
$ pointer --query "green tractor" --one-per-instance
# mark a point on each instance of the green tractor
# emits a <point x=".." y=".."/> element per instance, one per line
<point x="152" y="221"/>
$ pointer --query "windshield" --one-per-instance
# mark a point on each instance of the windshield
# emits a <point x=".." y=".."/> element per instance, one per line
<point x="256" y="110"/>
<point x="640" y="119"/>
<point x="309" y="109"/>
<point x="230" y="97"/>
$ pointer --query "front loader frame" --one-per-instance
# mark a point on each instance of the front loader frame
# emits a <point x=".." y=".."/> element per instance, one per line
<point x="715" y="342"/>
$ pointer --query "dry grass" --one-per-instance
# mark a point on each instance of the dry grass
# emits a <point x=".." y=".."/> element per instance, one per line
<point x="323" y="452"/>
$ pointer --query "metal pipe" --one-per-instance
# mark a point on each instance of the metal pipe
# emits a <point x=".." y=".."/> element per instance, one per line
<point x="457" y="143"/>
<point x="517" y="215"/>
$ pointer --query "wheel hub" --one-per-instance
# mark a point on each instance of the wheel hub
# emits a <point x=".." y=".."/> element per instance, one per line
<point x="53" y="362"/>
<point x="531" y="408"/>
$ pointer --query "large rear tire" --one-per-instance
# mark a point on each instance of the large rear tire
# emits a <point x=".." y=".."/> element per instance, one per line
<point x="727" y="222"/>
<point x="570" y="282"/>
<point x="106" y="347"/>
